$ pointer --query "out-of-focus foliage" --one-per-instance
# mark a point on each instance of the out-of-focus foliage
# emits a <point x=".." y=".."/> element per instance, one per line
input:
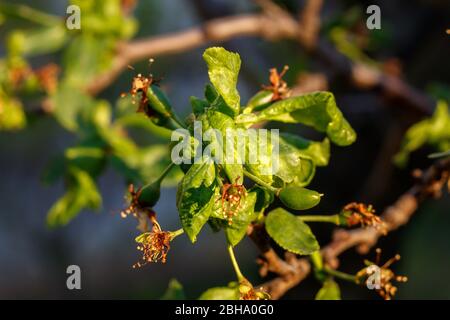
<point x="434" y="131"/>
<point x="102" y="138"/>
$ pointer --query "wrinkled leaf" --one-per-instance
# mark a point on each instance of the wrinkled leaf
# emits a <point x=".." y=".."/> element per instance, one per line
<point x="195" y="197"/>
<point x="319" y="152"/>
<point x="295" y="168"/>
<point x="223" y="70"/>
<point x="317" y="109"/>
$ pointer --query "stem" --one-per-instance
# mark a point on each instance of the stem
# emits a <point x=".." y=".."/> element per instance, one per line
<point x="340" y="275"/>
<point x="30" y="14"/>
<point x="239" y="274"/>
<point x="323" y="218"/>
<point x="178" y="121"/>
<point x="165" y="172"/>
<point x="260" y="182"/>
<point x="176" y="233"/>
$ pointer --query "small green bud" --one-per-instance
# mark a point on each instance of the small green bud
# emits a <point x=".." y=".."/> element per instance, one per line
<point x="299" y="198"/>
<point x="149" y="194"/>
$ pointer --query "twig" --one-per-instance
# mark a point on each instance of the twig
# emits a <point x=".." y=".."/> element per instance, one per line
<point x="272" y="24"/>
<point x="292" y="271"/>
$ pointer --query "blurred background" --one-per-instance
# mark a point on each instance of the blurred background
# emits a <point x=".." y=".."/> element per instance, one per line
<point x="412" y="44"/>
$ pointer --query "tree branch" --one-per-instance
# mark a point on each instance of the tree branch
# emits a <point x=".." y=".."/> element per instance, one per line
<point x="272" y="23"/>
<point x="429" y="184"/>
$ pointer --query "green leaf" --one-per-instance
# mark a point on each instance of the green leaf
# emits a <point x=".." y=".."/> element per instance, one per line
<point x="174" y="291"/>
<point x="264" y="198"/>
<point x="195" y="197"/>
<point x="223" y="70"/>
<point x="141" y="165"/>
<point x="213" y="119"/>
<point x="295" y="168"/>
<point x="319" y="152"/>
<point x="12" y="115"/>
<point x="198" y="105"/>
<point x="260" y="155"/>
<point x="86" y="57"/>
<point x="40" y="41"/>
<point x="317" y="109"/>
<point x="434" y="131"/>
<point x="220" y="293"/>
<point x="329" y="291"/>
<point x="69" y="101"/>
<point x="82" y="193"/>
<point x="290" y="233"/>
<point x="86" y="158"/>
<point x="259" y="101"/>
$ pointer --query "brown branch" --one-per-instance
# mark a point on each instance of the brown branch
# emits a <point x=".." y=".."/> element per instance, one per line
<point x="291" y="271"/>
<point x="271" y="24"/>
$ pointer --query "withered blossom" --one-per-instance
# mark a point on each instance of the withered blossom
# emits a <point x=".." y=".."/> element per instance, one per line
<point x="277" y="85"/>
<point x="384" y="284"/>
<point x="248" y="292"/>
<point x="232" y="194"/>
<point x="154" y="245"/>
<point x="361" y="214"/>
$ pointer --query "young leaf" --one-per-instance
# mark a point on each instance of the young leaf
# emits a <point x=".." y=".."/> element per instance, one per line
<point x="195" y="197"/>
<point x="82" y="193"/>
<point x="295" y="168"/>
<point x="329" y="291"/>
<point x="318" y="110"/>
<point x="174" y="291"/>
<point x="434" y="131"/>
<point x="290" y="233"/>
<point x="319" y="152"/>
<point x="213" y="119"/>
<point x="223" y="70"/>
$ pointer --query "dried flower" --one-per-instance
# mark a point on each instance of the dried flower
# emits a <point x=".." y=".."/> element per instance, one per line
<point x="248" y="292"/>
<point x="48" y="77"/>
<point x="154" y="245"/>
<point x="379" y="277"/>
<point x="359" y="213"/>
<point x="140" y="84"/>
<point x="136" y="210"/>
<point x="277" y="85"/>
<point x="232" y="194"/>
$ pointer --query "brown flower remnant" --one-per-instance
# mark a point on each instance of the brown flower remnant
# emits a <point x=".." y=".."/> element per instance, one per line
<point x="359" y="213"/>
<point x="154" y="245"/>
<point x="232" y="194"/>
<point x="135" y="209"/>
<point x="48" y="77"/>
<point x="383" y="282"/>
<point x="248" y="292"/>
<point x="140" y="84"/>
<point x="18" y="75"/>
<point x="277" y="85"/>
